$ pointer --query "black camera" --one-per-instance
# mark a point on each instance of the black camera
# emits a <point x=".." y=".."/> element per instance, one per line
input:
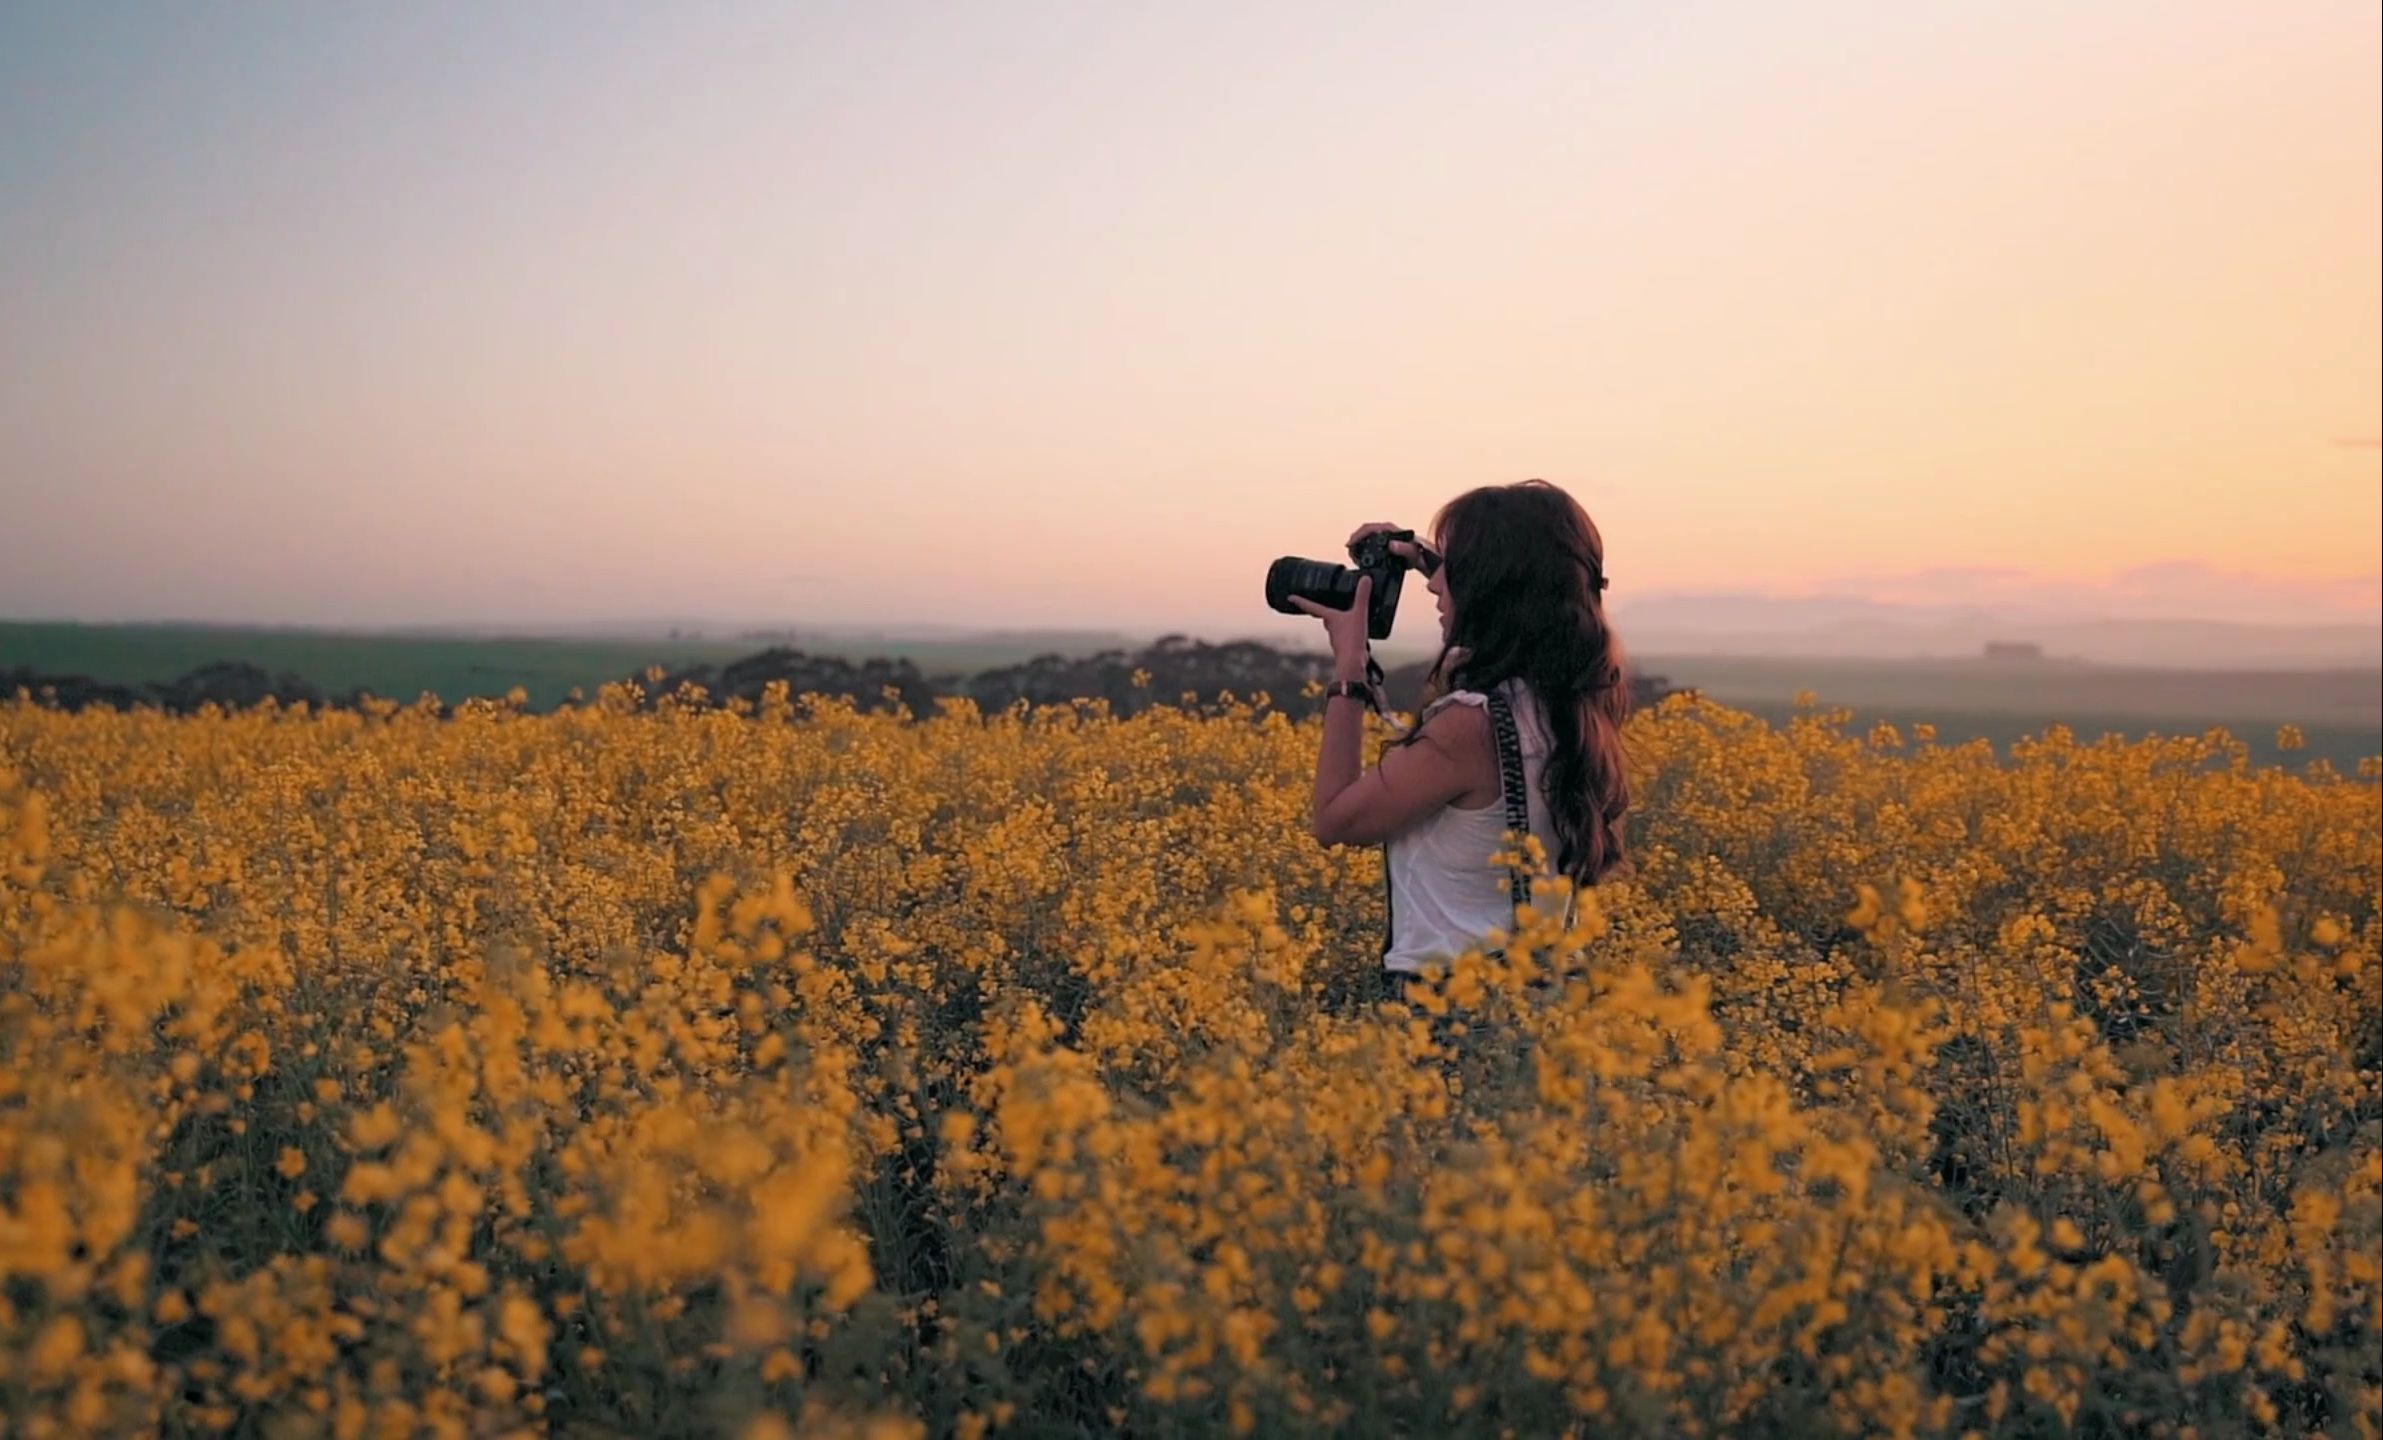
<point x="1336" y="585"/>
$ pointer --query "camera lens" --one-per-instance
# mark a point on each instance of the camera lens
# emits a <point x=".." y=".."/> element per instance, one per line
<point x="1317" y="580"/>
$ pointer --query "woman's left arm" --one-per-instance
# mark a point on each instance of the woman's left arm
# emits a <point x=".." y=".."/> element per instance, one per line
<point x="1338" y="764"/>
<point x="1354" y="806"/>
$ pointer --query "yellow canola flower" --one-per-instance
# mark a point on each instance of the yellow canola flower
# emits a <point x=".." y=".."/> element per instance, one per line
<point x="825" y="1072"/>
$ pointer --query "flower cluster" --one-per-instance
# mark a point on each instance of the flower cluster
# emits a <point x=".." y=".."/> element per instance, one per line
<point x="791" y="1070"/>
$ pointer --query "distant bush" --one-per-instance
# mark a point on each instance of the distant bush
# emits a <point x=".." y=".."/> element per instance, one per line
<point x="226" y="684"/>
<point x="1165" y="672"/>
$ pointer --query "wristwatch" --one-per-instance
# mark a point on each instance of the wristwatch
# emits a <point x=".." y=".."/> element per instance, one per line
<point x="1354" y="689"/>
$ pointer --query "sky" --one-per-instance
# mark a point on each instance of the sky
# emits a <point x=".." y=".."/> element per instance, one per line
<point x="1077" y="315"/>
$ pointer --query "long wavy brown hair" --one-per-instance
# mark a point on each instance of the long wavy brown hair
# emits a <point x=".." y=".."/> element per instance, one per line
<point x="1525" y="576"/>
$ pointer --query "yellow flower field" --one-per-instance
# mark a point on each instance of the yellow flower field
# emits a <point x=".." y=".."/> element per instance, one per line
<point x="813" y="1073"/>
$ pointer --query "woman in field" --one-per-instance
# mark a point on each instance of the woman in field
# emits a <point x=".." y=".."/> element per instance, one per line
<point x="1529" y="674"/>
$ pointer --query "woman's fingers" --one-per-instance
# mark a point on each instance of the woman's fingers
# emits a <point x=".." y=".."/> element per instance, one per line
<point x="1305" y="606"/>
<point x="1372" y="527"/>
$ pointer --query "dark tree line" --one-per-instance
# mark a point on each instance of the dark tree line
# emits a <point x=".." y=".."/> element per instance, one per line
<point x="229" y="684"/>
<point x="1131" y="681"/>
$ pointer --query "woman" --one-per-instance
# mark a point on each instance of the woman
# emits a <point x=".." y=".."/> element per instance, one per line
<point x="1519" y="575"/>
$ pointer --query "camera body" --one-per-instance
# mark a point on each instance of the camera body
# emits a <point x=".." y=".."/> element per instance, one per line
<point x="1336" y="585"/>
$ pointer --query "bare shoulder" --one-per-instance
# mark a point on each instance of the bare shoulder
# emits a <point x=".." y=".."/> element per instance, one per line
<point x="1458" y="729"/>
<point x="1458" y="737"/>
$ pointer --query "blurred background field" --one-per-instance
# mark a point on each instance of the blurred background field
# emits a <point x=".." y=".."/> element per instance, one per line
<point x="2339" y="712"/>
<point x="453" y="666"/>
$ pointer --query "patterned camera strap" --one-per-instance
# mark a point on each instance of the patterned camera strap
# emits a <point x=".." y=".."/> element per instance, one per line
<point x="1511" y="783"/>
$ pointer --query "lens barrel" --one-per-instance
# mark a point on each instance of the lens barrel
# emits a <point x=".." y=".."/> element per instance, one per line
<point x="1318" y="580"/>
<point x="1335" y="586"/>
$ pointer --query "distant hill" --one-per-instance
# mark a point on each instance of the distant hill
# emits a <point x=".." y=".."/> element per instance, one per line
<point x="1825" y="627"/>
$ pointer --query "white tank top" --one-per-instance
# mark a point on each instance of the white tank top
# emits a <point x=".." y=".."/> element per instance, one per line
<point x="1445" y="895"/>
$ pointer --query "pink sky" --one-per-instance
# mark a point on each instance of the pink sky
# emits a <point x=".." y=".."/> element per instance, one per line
<point x="1080" y="314"/>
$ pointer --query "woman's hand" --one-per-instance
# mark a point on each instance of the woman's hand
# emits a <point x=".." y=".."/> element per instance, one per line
<point x="1345" y="629"/>
<point x="1405" y="549"/>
